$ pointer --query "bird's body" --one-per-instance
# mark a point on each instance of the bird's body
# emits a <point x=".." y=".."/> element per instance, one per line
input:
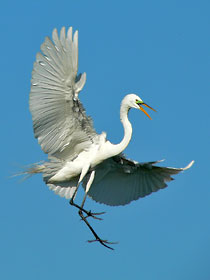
<point x="73" y="168"/>
<point x="100" y="150"/>
<point x="76" y="153"/>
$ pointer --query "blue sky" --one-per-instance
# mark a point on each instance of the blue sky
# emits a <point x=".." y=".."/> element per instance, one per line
<point x="157" y="49"/>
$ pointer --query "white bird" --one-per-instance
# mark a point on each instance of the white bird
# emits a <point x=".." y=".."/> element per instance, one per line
<point x="76" y="153"/>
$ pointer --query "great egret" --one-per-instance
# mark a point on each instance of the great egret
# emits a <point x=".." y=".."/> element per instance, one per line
<point x="76" y="153"/>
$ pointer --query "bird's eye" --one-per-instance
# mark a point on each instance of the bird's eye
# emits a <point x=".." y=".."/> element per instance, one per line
<point x="139" y="101"/>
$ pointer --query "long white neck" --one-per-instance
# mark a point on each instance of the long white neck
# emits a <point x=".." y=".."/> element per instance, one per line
<point x="118" y="148"/>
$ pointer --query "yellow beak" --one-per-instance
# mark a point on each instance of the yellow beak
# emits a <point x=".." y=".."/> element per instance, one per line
<point x="142" y="109"/>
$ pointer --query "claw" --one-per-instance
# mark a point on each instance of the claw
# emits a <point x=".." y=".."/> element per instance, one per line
<point x="90" y="214"/>
<point x="103" y="242"/>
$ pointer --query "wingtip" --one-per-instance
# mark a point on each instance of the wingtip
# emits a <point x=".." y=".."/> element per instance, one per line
<point x="189" y="165"/>
<point x="54" y="30"/>
<point x="75" y="37"/>
<point x="69" y="33"/>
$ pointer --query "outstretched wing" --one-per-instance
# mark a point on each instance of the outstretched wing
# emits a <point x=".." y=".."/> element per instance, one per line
<point x="59" y="119"/>
<point x="119" y="181"/>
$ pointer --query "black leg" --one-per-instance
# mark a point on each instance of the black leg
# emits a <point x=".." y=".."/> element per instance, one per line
<point x="88" y="213"/>
<point x="81" y="208"/>
<point x="97" y="238"/>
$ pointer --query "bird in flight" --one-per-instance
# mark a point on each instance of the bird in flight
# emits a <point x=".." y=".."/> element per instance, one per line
<point x="76" y="153"/>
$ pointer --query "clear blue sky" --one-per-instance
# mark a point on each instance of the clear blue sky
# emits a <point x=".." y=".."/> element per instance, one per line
<point x="157" y="49"/>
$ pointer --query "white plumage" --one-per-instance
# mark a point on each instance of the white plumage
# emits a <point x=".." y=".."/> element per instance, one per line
<point x="76" y="153"/>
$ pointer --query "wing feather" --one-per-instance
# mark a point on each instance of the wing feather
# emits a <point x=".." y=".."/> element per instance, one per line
<point x="125" y="180"/>
<point x="142" y="185"/>
<point x="59" y="119"/>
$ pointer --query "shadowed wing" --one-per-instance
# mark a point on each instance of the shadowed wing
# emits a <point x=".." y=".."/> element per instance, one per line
<point x="119" y="181"/>
<point x="59" y="119"/>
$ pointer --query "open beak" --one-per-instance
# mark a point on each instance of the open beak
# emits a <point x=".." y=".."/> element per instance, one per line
<point x="142" y="109"/>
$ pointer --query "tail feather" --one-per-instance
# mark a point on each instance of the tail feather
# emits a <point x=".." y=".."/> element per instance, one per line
<point x="34" y="169"/>
<point x="30" y="170"/>
<point x="48" y="169"/>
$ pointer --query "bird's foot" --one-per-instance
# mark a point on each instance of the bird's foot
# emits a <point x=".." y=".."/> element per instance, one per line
<point x="93" y="215"/>
<point x="103" y="242"/>
<point x="97" y="238"/>
<point x="88" y="213"/>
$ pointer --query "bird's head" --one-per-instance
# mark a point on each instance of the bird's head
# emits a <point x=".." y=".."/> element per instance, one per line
<point x="134" y="101"/>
